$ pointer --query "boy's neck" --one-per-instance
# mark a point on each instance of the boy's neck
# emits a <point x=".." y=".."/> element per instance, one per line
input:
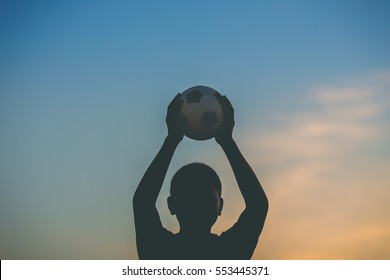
<point x="196" y="233"/>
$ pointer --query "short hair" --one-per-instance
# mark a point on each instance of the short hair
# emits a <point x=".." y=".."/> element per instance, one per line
<point x="193" y="176"/>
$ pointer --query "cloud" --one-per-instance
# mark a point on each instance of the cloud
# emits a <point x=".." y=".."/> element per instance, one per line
<point x="326" y="184"/>
<point x="334" y="96"/>
<point x="337" y="122"/>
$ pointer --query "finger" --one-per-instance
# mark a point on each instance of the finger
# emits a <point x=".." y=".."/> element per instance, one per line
<point x="219" y="97"/>
<point x="175" y="104"/>
<point x="175" y="108"/>
<point x="178" y="105"/>
<point x="217" y="94"/>
<point x="228" y="103"/>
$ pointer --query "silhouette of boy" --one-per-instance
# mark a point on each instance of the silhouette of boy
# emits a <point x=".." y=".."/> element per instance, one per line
<point x="196" y="200"/>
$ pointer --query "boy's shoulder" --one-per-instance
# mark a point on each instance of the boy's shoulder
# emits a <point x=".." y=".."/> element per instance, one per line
<point x="235" y="243"/>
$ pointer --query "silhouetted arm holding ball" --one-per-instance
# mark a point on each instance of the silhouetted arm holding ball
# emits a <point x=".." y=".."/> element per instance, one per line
<point x="144" y="201"/>
<point x="256" y="202"/>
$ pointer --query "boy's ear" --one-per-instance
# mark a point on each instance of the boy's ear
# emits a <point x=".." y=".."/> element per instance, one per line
<point x="220" y="206"/>
<point x="171" y="205"/>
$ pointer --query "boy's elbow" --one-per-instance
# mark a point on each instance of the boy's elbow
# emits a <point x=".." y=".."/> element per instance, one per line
<point x="265" y="203"/>
<point x="258" y="206"/>
<point x="261" y="205"/>
<point x="137" y="199"/>
<point x="142" y="200"/>
<point x="258" y="200"/>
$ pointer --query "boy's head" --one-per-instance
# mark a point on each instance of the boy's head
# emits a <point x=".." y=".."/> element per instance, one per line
<point x="196" y="196"/>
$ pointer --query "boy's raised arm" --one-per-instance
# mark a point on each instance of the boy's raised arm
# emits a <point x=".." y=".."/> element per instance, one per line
<point x="256" y="201"/>
<point x="145" y="197"/>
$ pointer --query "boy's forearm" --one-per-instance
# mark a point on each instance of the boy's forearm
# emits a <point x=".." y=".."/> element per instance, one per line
<point x="151" y="183"/>
<point x="250" y="187"/>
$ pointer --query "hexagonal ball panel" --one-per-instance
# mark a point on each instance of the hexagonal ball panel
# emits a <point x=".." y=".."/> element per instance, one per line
<point x="210" y="104"/>
<point x="209" y="119"/>
<point x="194" y="96"/>
<point x="193" y="112"/>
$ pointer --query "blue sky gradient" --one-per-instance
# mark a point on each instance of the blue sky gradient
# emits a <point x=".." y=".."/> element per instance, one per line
<point x="84" y="87"/>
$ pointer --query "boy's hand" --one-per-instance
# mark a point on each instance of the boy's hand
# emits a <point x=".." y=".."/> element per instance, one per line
<point x="225" y="132"/>
<point x="175" y="121"/>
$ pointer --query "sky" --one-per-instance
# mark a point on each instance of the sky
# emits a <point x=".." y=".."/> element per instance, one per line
<point x="84" y="88"/>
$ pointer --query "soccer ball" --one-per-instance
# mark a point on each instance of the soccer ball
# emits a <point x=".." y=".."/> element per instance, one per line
<point x="202" y="112"/>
